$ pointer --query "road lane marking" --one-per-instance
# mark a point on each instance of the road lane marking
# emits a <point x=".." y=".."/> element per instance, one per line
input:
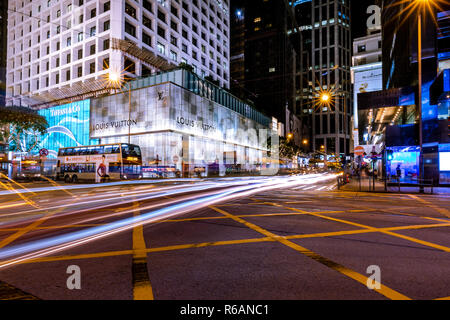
<point x="384" y="290"/>
<point x="422" y="242"/>
<point x="28" y="228"/>
<point x="13" y="205"/>
<point x="142" y="289"/>
<point x="223" y="243"/>
<point x="8" y="292"/>
<point x="442" y="211"/>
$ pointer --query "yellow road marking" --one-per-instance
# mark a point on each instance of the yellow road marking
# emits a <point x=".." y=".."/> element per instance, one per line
<point x="28" y="228"/>
<point x="425" y="243"/>
<point x="12" y="205"/>
<point x="442" y="211"/>
<point x="227" y="242"/>
<point x="8" y="292"/>
<point x="384" y="290"/>
<point x="60" y="187"/>
<point x="445" y="298"/>
<point x="30" y="202"/>
<point x="142" y="289"/>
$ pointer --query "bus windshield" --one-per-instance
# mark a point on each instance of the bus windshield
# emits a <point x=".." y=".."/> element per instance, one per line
<point x="129" y="150"/>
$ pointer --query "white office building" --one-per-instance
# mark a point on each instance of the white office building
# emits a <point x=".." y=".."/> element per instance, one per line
<point x="60" y="47"/>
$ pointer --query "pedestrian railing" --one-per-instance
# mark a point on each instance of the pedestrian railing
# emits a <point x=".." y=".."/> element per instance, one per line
<point x="420" y="183"/>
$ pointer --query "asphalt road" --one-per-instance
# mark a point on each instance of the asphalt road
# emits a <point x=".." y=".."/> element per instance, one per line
<point x="282" y="238"/>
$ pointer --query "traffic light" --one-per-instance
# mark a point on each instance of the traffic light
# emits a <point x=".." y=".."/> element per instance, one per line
<point x="389" y="155"/>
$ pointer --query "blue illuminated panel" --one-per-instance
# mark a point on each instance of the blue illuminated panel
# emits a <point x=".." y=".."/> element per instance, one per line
<point x="68" y="127"/>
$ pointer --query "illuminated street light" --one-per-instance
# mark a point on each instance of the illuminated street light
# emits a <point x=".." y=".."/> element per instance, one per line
<point x="290" y="136"/>
<point x="325" y="97"/>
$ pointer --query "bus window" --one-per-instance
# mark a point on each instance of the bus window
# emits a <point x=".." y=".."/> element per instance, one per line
<point x="115" y="149"/>
<point x="130" y="151"/>
<point x="114" y="167"/>
<point x="108" y="149"/>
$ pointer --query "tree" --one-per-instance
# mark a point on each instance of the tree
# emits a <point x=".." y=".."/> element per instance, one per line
<point x="288" y="149"/>
<point x="21" y="128"/>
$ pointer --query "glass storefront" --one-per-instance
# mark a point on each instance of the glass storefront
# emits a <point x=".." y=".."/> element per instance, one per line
<point x="179" y="129"/>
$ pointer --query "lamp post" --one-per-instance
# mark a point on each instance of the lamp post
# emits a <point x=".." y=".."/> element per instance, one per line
<point x="419" y="60"/>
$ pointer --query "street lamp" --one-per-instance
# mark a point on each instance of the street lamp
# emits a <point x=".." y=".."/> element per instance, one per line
<point x="424" y="4"/>
<point x="325" y="98"/>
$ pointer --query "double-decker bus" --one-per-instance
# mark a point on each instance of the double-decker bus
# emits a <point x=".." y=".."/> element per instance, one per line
<point x="120" y="161"/>
<point x="4" y="162"/>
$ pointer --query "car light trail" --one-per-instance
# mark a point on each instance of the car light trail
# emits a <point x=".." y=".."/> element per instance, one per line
<point x="54" y="244"/>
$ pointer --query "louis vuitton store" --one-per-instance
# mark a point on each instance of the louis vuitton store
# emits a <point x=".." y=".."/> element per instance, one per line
<point x="183" y="122"/>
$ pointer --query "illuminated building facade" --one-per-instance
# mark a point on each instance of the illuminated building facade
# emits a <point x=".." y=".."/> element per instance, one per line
<point x="178" y="120"/>
<point x="57" y="44"/>
<point x="325" y="62"/>
<point x="398" y="100"/>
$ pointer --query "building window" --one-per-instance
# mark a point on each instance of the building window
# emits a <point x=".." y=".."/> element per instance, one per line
<point x="161" y="49"/>
<point x="92" y="67"/>
<point x="130" y="10"/>
<point x="107" y="6"/>
<point x="161" y="32"/>
<point x="161" y="16"/>
<point x="106" y="44"/>
<point x="92" y="49"/>
<point x="146" y="39"/>
<point x="147" y="5"/>
<point x="362" y="48"/>
<point x="173" y="56"/>
<point x="130" y="29"/>
<point x="147" y="22"/>
<point x="106" y="25"/>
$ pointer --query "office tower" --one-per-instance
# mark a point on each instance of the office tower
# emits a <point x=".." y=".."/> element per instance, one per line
<point x="55" y="45"/>
<point x="324" y="67"/>
<point x="263" y="58"/>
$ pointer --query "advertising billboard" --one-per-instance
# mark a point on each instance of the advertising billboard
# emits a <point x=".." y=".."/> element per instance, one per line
<point x="68" y="127"/>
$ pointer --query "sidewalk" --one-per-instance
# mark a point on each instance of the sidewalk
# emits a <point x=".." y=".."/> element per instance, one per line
<point x="355" y="186"/>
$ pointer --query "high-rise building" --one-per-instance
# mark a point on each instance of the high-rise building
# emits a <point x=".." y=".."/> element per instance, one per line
<point x="325" y="61"/>
<point x="418" y="142"/>
<point x="263" y="55"/>
<point x="3" y="49"/>
<point x="59" y="44"/>
<point x="367" y="76"/>
<point x="366" y="71"/>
